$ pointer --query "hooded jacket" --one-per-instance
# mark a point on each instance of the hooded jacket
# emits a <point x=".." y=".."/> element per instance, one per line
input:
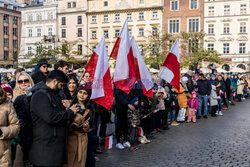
<point x="50" y="124"/>
<point x="38" y="77"/>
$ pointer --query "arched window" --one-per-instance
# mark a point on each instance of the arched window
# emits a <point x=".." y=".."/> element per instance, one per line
<point x="242" y="66"/>
<point x="226" y="67"/>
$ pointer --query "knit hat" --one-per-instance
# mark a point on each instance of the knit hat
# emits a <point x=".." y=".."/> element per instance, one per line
<point x="213" y="76"/>
<point x="194" y="93"/>
<point x="184" y="79"/>
<point x="134" y="100"/>
<point x="84" y="87"/>
<point x="7" y="88"/>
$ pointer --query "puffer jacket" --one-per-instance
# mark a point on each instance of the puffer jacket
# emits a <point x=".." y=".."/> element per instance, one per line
<point x="9" y="126"/>
<point x="214" y="98"/>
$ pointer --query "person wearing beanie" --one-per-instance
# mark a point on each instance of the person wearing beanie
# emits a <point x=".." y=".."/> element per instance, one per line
<point x="193" y="104"/>
<point x="8" y="90"/>
<point x="42" y="72"/>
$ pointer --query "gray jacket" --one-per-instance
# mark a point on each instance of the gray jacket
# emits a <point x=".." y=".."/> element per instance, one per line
<point x="214" y="98"/>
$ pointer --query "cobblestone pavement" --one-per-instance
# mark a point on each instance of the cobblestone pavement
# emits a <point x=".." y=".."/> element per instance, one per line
<point x="215" y="142"/>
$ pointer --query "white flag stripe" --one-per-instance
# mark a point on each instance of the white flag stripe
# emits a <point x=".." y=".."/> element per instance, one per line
<point x="122" y="68"/>
<point x="145" y="75"/>
<point x="101" y="69"/>
<point x="175" y="50"/>
<point x="166" y="74"/>
<point x="110" y="141"/>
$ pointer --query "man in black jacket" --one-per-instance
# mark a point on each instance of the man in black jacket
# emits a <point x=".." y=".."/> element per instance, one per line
<point x="190" y="84"/>
<point x="204" y="90"/>
<point x="41" y="75"/>
<point x="50" y="122"/>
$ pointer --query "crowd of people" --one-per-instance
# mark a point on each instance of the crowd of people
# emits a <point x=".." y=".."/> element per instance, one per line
<point x="48" y="119"/>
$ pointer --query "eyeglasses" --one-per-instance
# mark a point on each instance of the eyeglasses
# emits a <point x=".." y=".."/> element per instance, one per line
<point x="23" y="81"/>
<point x="80" y="71"/>
<point x="45" y="66"/>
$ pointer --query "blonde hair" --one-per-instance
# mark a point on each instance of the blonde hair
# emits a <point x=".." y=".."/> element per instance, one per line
<point x="17" y="90"/>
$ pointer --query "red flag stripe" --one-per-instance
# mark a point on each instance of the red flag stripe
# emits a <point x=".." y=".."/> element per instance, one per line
<point x="115" y="49"/>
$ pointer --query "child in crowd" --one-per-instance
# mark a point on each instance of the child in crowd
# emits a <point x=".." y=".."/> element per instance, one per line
<point x="214" y="101"/>
<point x="174" y="107"/>
<point x="134" y="122"/>
<point x="161" y="94"/>
<point x="193" y="104"/>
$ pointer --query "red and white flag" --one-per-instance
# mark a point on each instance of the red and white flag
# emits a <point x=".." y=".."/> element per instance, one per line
<point x="98" y="68"/>
<point x="122" y="40"/>
<point x="170" y="71"/>
<point x="124" y="74"/>
<point x="142" y="73"/>
<point x="108" y="142"/>
<point x="140" y="132"/>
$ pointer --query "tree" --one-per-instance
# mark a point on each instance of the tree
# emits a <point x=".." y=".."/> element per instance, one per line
<point x="192" y="50"/>
<point x="156" y="48"/>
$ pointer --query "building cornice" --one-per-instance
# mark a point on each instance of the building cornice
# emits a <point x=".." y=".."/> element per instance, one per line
<point x="72" y="12"/>
<point x="9" y="10"/>
<point x="228" y="16"/>
<point x="38" y="7"/>
<point x="125" y="10"/>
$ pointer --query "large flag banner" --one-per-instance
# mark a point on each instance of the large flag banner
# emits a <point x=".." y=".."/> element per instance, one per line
<point x="125" y="73"/>
<point x="142" y="73"/>
<point x="171" y="67"/>
<point x="98" y="68"/>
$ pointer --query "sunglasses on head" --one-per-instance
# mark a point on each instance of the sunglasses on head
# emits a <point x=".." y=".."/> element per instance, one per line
<point x="23" y="81"/>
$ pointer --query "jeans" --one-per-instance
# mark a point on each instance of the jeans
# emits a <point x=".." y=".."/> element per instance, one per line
<point x="173" y="117"/>
<point x="220" y="103"/>
<point x="202" y="101"/>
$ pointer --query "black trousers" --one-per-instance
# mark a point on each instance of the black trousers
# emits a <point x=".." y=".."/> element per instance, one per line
<point x="121" y="124"/>
<point x="133" y="134"/>
<point x="164" y="123"/>
<point x="214" y="109"/>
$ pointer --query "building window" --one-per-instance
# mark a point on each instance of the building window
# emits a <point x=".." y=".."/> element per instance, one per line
<point x="63" y="33"/>
<point x="154" y="49"/>
<point x="30" y="32"/>
<point x="193" y="4"/>
<point x="226" y="48"/>
<point x="154" y="31"/>
<point x="15" y="32"/>
<point x="6" y="55"/>
<point x="129" y="16"/>
<point x="29" y="50"/>
<point x="211" y="11"/>
<point x="79" y="19"/>
<point x="141" y="16"/>
<point x="50" y="15"/>
<point x="79" y="50"/>
<point x="74" y="4"/>
<point x="15" y="43"/>
<point x="39" y="32"/>
<point x="106" y="33"/>
<point x="93" y="19"/>
<point x="174" y="26"/>
<point x="117" y="17"/>
<point x="6" y="42"/>
<point x="79" y="32"/>
<point x="141" y="1"/>
<point x="243" y="9"/>
<point x="5" y="6"/>
<point x="6" y="30"/>
<point x="93" y="34"/>
<point x="193" y="25"/>
<point x="227" y="10"/>
<point x="210" y="28"/>
<point x="6" y="18"/>
<point x="69" y="4"/>
<point x="243" y="27"/>
<point x="140" y="49"/>
<point x="14" y="20"/>
<point x="38" y="16"/>
<point x="117" y="33"/>
<point x="39" y="50"/>
<point x="210" y="46"/>
<point x="155" y="15"/>
<point x="226" y="28"/>
<point x="242" y="48"/>
<point x="130" y="32"/>
<point x="30" y="17"/>
<point x="141" y="32"/>
<point x="63" y="20"/>
<point x="105" y="3"/>
<point x="106" y="18"/>
<point x="174" y="4"/>
<point x="50" y="31"/>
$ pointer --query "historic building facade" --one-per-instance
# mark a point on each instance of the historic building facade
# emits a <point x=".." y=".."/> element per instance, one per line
<point x="10" y="32"/>
<point x="226" y="24"/>
<point x="106" y="17"/>
<point x="39" y="25"/>
<point x="72" y="25"/>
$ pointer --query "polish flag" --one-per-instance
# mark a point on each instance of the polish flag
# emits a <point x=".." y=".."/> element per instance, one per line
<point x="170" y="71"/>
<point x="142" y="73"/>
<point x="122" y="40"/>
<point x="108" y="142"/>
<point x="98" y="68"/>
<point x="125" y="72"/>
<point x="140" y="132"/>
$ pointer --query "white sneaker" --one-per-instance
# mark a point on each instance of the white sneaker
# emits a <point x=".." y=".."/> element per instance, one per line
<point x="220" y="113"/>
<point x="126" y="144"/>
<point x="119" y="146"/>
<point x="141" y="140"/>
<point x="146" y="140"/>
<point x="217" y="113"/>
